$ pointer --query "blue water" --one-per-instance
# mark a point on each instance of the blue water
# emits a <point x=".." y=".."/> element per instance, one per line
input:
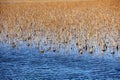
<point x="29" y="64"/>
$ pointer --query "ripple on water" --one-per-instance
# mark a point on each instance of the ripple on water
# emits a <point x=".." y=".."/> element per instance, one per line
<point x="32" y="65"/>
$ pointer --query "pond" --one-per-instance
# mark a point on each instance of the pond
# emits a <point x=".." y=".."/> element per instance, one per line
<point x="29" y="64"/>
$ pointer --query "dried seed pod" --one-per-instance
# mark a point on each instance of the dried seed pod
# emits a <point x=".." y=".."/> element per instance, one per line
<point x="91" y="50"/>
<point x="117" y="47"/>
<point x="28" y="44"/>
<point x="13" y="45"/>
<point x="80" y="51"/>
<point x="29" y="38"/>
<point x="76" y="44"/>
<point x="42" y="51"/>
<point x="54" y="50"/>
<point x="112" y="52"/>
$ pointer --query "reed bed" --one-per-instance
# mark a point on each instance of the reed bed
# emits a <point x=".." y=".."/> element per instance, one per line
<point x="55" y="25"/>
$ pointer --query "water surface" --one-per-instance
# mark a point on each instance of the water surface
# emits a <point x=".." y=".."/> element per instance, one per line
<point x="29" y="64"/>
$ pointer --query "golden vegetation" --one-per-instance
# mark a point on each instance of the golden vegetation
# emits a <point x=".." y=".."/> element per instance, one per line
<point x="89" y="23"/>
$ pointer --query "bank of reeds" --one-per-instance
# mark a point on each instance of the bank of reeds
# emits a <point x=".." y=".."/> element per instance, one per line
<point x="59" y="24"/>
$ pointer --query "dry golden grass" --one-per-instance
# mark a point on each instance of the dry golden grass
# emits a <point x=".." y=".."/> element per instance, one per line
<point x="87" y="22"/>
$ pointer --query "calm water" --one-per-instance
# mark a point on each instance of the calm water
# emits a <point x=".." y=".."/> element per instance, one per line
<point x="29" y="64"/>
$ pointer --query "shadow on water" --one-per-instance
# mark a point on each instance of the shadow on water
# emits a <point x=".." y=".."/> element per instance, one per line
<point x="30" y="64"/>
